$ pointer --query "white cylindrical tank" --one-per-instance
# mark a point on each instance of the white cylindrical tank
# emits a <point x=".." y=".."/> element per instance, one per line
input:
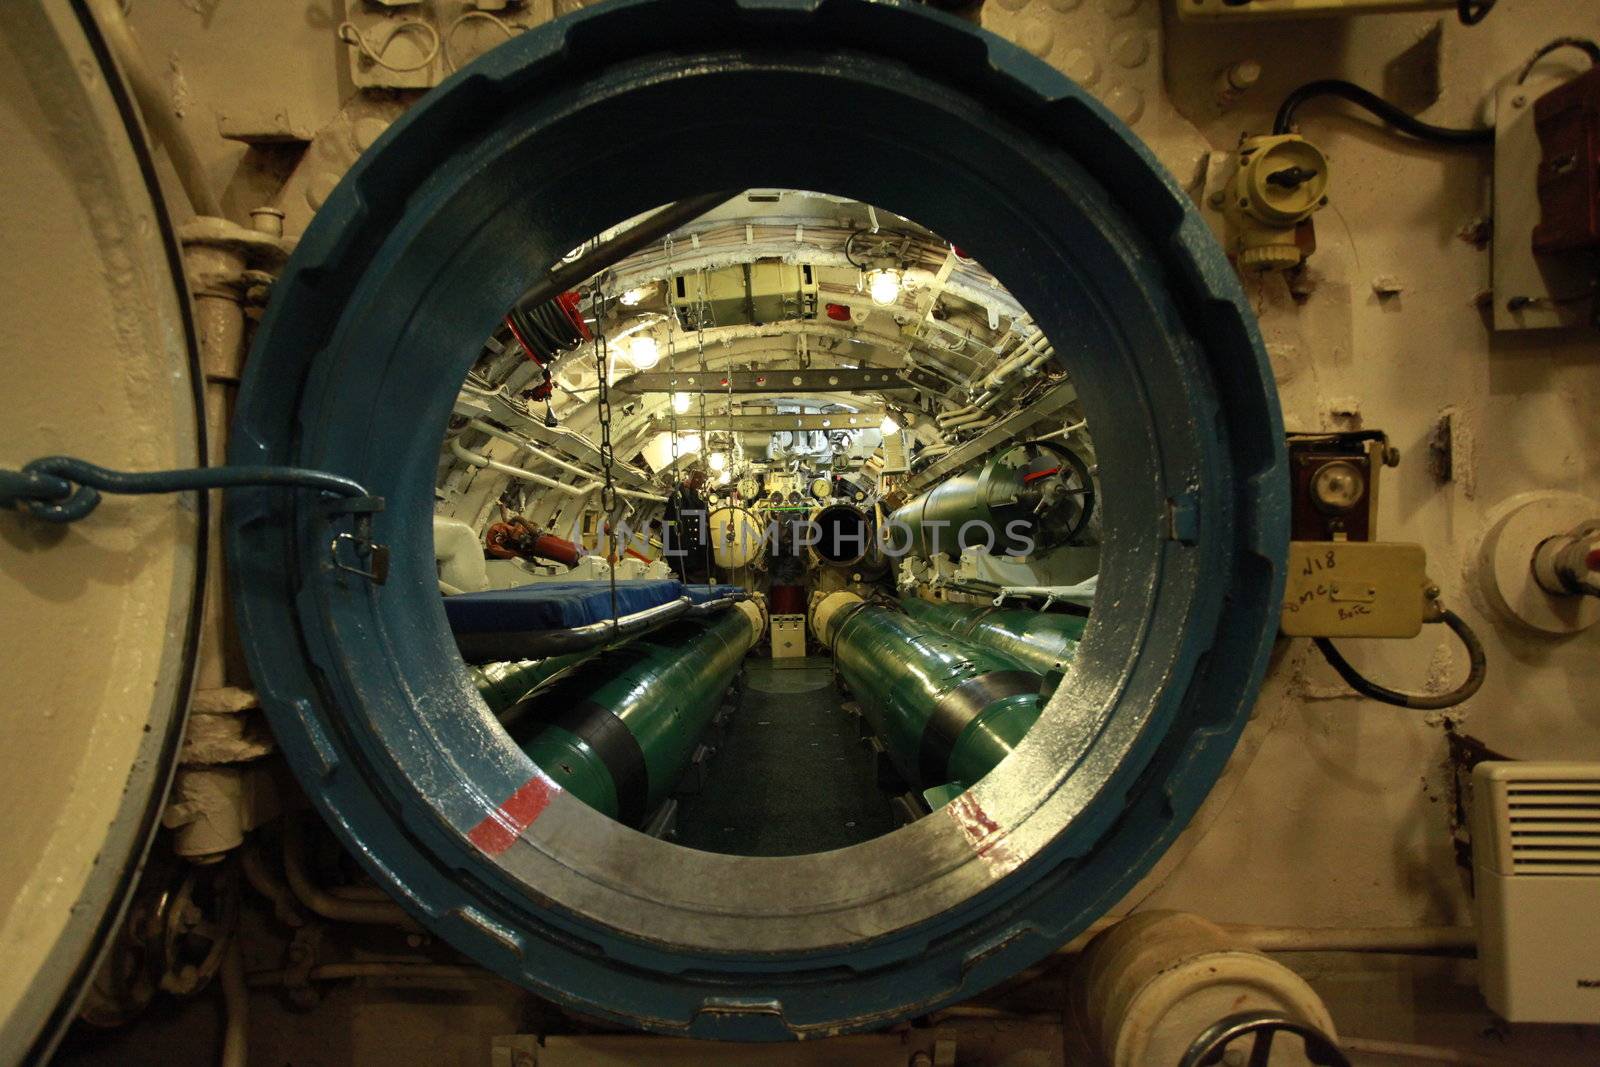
<point x="736" y="538"/>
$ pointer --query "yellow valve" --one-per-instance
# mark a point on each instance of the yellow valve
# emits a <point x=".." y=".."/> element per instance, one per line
<point x="1282" y="180"/>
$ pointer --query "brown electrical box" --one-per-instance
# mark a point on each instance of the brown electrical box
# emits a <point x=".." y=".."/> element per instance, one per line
<point x="1568" y="123"/>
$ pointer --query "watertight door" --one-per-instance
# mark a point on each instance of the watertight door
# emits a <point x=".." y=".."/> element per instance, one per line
<point x="97" y="619"/>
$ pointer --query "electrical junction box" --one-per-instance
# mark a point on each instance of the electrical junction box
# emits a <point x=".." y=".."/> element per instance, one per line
<point x="788" y="637"/>
<point x="1355" y="589"/>
<point x="1536" y="878"/>
<point x="896" y="453"/>
<point x="1214" y="10"/>
<point x="749" y="294"/>
<point x="1541" y="177"/>
<point x="1567" y="119"/>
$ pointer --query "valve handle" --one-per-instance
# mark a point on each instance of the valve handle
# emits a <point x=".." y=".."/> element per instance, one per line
<point x="1210" y="1046"/>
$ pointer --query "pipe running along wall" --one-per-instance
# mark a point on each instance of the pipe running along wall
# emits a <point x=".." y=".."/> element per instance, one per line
<point x="947" y="710"/>
<point x="1040" y="641"/>
<point x="619" y="731"/>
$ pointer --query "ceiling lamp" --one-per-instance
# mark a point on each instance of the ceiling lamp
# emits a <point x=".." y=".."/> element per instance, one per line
<point x="634" y="297"/>
<point x="884" y="287"/>
<point x="727" y="476"/>
<point x="719" y="460"/>
<point x="889" y="426"/>
<point x="643" y="352"/>
<point x="680" y="402"/>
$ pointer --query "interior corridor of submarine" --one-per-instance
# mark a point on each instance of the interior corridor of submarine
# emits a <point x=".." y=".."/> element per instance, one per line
<point x="789" y="636"/>
<point x="799" y="533"/>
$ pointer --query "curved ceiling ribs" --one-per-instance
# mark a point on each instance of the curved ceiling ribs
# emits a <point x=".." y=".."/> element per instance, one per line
<point x="956" y="341"/>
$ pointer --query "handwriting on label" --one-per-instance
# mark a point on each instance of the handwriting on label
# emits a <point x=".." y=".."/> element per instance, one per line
<point x="1320" y="562"/>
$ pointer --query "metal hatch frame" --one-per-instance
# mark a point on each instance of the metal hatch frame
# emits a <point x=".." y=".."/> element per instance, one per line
<point x="599" y="117"/>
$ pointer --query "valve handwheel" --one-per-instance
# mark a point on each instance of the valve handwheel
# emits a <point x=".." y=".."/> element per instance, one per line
<point x="1264" y="1026"/>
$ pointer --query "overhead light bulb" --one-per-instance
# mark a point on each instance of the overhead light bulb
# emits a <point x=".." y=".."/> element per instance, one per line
<point x="889" y="426"/>
<point x="680" y="402"/>
<point x="634" y="297"/>
<point x="727" y="476"/>
<point x="884" y="287"/>
<point x="719" y="461"/>
<point x="643" y="352"/>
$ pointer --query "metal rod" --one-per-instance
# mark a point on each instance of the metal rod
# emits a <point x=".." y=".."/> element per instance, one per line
<point x="567" y="276"/>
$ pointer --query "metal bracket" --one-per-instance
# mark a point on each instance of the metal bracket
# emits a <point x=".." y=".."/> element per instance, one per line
<point x="372" y="558"/>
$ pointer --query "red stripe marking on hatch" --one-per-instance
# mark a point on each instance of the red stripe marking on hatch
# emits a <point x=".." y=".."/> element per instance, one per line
<point x="500" y="828"/>
<point x="985" y="835"/>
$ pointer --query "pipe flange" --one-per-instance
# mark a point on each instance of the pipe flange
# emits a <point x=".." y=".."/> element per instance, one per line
<point x="1504" y="563"/>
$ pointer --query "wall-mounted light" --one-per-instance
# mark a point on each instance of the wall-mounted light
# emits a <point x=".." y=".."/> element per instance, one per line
<point x="889" y="426"/>
<point x="884" y="287"/>
<point x="680" y="402"/>
<point x="643" y="352"/>
<point x="727" y="476"/>
<point x="719" y="461"/>
<point x="634" y="297"/>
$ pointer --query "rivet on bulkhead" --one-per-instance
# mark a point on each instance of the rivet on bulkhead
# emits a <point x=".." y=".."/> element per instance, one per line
<point x="1130" y="48"/>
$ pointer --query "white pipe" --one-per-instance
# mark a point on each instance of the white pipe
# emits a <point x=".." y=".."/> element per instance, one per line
<point x="1065" y="431"/>
<point x="155" y="106"/>
<point x="529" y="447"/>
<point x="639" y="494"/>
<point x="582" y="472"/>
<point x="962" y="418"/>
<point x="466" y="455"/>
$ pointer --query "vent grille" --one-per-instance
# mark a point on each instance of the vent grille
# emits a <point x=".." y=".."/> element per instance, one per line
<point x="1554" y="826"/>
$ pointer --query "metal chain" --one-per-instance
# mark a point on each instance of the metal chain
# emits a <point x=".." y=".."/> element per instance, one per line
<point x="608" y="492"/>
<point x="705" y="433"/>
<point x="672" y="360"/>
<point x="672" y="411"/>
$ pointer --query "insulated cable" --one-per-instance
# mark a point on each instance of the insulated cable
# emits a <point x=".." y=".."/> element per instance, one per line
<point x="1383" y="109"/>
<point x="469" y="16"/>
<point x="1419" y="701"/>
<point x="63" y="489"/>
<point x="1583" y="44"/>
<point x="350" y="34"/>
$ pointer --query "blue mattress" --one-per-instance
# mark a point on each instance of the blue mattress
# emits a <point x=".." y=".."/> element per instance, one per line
<point x="564" y="605"/>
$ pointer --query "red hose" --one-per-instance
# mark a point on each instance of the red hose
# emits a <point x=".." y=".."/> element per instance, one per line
<point x="555" y="549"/>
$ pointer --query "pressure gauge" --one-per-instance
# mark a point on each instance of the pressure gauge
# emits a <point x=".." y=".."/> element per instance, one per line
<point x="822" y="489"/>
<point x="1338" y="486"/>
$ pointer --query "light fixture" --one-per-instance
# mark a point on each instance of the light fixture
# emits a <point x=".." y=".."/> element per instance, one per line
<point x="643" y="352"/>
<point x="884" y="287"/>
<point x="727" y="476"/>
<point x="680" y="402"/>
<point x="634" y="297"/>
<point x="719" y="460"/>
<point x="889" y="426"/>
